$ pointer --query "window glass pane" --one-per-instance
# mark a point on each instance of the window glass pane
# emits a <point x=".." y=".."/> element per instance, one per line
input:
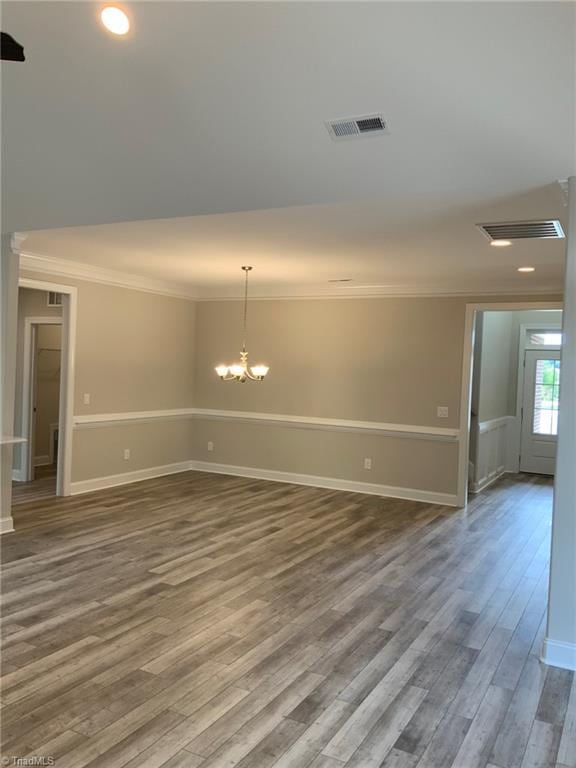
<point x="545" y="339"/>
<point x="546" y="397"/>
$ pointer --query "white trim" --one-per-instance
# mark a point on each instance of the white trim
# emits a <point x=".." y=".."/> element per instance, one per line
<point x="52" y="430"/>
<point x="482" y="428"/>
<point x="333" y="483"/>
<point x="306" y="422"/>
<point x="486" y="482"/>
<point x="6" y="525"/>
<point x="11" y="440"/>
<point x="95" y="420"/>
<point x="412" y="494"/>
<point x="490" y="424"/>
<point x="466" y="385"/>
<point x="42" y="461"/>
<point x="17" y="476"/>
<point x="559" y="654"/>
<point x="111" y="481"/>
<point x="306" y="292"/>
<point x="66" y="406"/>
<point x="50" y="265"/>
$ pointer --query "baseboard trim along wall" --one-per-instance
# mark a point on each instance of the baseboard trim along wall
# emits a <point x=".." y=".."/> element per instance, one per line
<point x="125" y="478"/>
<point x="42" y="461"/>
<point x="445" y="434"/>
<point x="6" y="525"/>
<point x="486" y="482"/>
<point x="559" y="654"/>
<point x="332" y="483"/>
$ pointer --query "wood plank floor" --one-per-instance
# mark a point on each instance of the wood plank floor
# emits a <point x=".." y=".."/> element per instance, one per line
<point x="42" y="487"/>
<point x="202" y="620"/>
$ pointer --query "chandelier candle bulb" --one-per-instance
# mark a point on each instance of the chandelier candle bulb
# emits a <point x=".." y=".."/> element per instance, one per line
<point x="242" y="371"/>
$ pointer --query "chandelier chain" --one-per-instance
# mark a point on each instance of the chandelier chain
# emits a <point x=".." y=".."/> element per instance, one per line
<point x="245" y="320"/>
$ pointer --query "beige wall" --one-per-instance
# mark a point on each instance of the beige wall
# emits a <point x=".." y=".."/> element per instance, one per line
<point x="391" y="360"/>
<point x="418" y="464"/>
<point x="47" y="387"/>
<point x="134" y="352"/>
<point x="387" y="360"/>
<point x="98" y="452"/>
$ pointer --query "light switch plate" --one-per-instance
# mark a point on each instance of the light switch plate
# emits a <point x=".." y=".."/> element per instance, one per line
<point x="442" y="411"/>
<point x="86" y="398"/>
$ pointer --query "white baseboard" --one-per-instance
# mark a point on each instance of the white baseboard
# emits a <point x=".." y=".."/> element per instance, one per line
<point x="42" y="461"/>
<point x="18" y="475"/>
<point x="559" y="654"/>
<point x="110" y="481"/>
<point x="333" y="483"/>
<point x="6" y="525"/>
<point x="486" y="482"/>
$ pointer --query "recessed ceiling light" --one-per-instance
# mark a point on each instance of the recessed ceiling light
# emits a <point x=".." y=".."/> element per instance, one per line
<point x="526" y="269"/>
<point x="500" y="243"/>
<point x="115" y="20"/>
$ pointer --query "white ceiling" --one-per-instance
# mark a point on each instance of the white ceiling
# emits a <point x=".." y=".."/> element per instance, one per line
<point x="214" y="112"/>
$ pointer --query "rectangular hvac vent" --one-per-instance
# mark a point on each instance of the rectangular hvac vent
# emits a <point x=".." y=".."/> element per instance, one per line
<point x="54" y="299"/>
<point x="356" y="127"/>
<point x="523" y="230"/>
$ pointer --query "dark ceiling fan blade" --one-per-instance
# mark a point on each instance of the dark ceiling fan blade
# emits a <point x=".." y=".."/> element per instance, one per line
<point x="11" y="50"/>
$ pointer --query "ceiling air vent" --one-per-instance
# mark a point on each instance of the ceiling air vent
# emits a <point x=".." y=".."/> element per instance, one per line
<point x="523" y="230"/>
<point x="356" y="127"/>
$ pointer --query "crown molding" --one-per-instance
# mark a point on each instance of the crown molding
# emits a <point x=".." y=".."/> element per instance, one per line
<point x="16" y="241"/>
<point x="67" y="268"/>
<point x="50" y="265"/>
<point x="302" y="292"/>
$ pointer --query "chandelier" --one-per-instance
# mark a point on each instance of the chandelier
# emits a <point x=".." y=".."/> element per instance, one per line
<point x="241" y="371"/>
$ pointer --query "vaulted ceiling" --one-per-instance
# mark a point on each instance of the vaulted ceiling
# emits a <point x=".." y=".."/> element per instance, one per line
<point x="197" y="143"/>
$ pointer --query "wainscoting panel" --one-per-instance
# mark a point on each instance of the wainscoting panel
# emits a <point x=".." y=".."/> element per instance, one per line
<point x="493" y="442"/>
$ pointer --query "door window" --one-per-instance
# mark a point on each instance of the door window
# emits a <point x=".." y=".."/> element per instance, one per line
<point x="546" y="397"/>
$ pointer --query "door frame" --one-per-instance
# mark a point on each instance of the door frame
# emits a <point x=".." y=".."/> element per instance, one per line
<point x="472" y="310"/>
<point x="66" y="406"/>
<point x="524" y="328"/>
<point x="29" y="390"/>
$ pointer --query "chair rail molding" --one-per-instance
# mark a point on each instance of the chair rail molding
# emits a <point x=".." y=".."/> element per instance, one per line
<point x="444" y="434"/>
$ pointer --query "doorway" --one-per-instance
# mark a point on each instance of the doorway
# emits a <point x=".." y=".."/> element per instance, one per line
<point x="43" y="400"/>
<point x="514" y="391"/>
<point x="44" y="389"/>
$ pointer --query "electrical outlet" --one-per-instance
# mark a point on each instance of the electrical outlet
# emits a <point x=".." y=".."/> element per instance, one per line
<point x="442" y="411"/>
<point x="210" y="445"/>
<point x="126" y="454"/>
<point x="86" y="398"/>
<point x="367" y="463"/>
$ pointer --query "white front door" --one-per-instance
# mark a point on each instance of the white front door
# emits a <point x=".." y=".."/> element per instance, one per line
<point x="540" y="412"/>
